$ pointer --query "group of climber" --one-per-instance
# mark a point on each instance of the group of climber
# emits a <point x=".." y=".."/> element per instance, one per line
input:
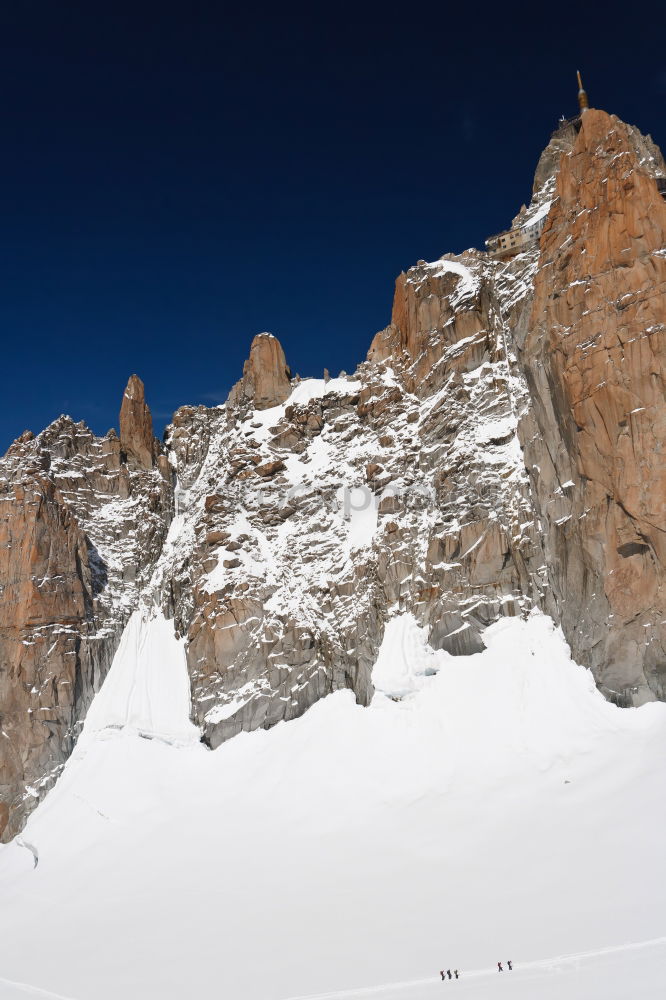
<point x="456" y="975"/>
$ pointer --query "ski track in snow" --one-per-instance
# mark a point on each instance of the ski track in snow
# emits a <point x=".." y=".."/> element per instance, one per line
<point x="544" y="964"/>
<point x="35" y="991"/>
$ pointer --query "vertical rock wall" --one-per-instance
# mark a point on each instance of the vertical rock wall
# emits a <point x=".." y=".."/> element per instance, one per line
<point x="82" y="520"/>
<point x="46" y="580"/>
<point x="595" y="440"/>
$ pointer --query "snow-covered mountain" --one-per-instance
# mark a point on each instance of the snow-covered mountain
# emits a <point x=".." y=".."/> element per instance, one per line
<point x="500" y="449"/>
<point x="419" y="540"/>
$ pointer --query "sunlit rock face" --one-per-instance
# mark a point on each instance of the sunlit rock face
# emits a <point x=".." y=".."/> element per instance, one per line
<point x="266" y="378"/>
<point x="136" y="424"/>
<point x="500" y="448"/>
<point x="595" y="443"/>
<point x="81" y="525"/>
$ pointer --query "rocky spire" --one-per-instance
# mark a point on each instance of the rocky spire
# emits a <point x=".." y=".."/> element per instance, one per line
<point x="266" y="377"/>
<point x="596" y="351"/>
<point x="136" y="424"/>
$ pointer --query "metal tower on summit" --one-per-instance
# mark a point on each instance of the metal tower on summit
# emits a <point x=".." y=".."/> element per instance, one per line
<point x="583" y="102"/>
<point x="527" y="227"/>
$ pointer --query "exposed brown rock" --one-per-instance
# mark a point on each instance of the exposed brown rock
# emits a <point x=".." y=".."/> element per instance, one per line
<point x="45" y="607"/>
<point x="434" y="311"/>
<point x="596" y="358"/>
<point x="266" y="377"/>
<point x="269" y="468"/>
<point x="62" y="605"/>
<point x="136" y="424"/>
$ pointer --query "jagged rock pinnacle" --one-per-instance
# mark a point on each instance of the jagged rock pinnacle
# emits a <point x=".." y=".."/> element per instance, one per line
<point x="136" y="424"/>
<point x="266" y="377"/>
<point x="596" y="349"/>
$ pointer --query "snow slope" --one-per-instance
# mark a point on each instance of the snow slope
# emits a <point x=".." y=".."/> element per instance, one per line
<point x="485" y="807"/>
<point x="147" y="689"/>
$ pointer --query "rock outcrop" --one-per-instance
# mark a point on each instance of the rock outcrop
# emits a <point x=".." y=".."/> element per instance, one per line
<point x="266" y="380"/>
<point x="501" y="447"/>
<point x="80" y="527"/>
<point x="595" y="444"/>
<point x="47" y="595"/>
<point x="136" y="425"/>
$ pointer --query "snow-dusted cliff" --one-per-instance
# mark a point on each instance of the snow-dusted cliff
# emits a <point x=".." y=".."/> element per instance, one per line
<point x="498" y="451"/>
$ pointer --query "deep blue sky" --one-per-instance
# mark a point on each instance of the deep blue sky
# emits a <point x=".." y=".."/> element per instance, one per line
<point x="175" y="178"/>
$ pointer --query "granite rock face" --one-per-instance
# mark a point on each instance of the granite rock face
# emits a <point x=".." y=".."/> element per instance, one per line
<point x="595" y="443"/>
<point x="136" y="425"/>
<point x="501" y="448"/>
<point x="46" y="597"/>
<point x="266" y="380"/>
<point x="80" y="527"/>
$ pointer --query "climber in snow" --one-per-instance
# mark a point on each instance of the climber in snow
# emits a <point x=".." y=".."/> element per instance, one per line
<point x="455" y="973"/>
<point x="448" y="972"/>
<point x="442" y="974"/>
<point x="510" y="964"/>
<point x="499" y="967"/>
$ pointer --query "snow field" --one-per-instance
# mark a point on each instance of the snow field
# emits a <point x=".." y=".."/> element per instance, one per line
<point x="484" y="807"/>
